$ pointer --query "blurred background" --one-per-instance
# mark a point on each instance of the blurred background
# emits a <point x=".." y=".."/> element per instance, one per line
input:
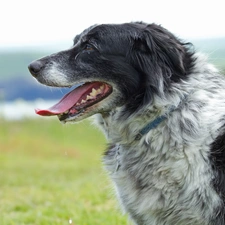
<point x="49" y="173"/>
<point x="31" y="29"/>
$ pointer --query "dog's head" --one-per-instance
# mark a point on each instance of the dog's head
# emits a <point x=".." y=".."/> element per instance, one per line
<point x="116" y="65"/>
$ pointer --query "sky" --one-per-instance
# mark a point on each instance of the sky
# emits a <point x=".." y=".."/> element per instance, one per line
<point x="49" y="22"/>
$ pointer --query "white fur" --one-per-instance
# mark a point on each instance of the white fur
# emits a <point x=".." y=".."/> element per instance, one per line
<point x="56" y="76"/>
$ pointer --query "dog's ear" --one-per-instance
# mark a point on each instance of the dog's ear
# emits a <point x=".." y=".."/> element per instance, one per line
<point x="160" y="59"/>
<point x="160" y="56"/>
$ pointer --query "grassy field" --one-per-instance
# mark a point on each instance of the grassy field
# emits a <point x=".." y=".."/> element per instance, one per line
<point x="52" y="174"/>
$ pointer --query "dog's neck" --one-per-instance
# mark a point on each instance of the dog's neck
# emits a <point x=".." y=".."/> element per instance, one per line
<point x="159" y="119"/>
<point x="135" y="127"/>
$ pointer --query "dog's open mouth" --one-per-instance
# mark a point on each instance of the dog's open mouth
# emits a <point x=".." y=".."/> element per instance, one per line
<point x="78" y="100"/>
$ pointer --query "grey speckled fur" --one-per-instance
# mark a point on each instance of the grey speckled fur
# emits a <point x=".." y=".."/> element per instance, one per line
<point x="165" y="178"/>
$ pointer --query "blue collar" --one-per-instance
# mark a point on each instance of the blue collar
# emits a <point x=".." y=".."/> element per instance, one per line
<point x="153" y="124"/>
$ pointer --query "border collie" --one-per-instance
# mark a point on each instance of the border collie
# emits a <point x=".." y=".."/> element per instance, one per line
<point x="162" y="108"/>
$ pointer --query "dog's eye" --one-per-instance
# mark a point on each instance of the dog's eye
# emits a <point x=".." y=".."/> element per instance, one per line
<point x="89" y="47"/>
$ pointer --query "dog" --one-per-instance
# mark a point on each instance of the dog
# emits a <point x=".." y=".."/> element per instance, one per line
<point x="161" y="106"/>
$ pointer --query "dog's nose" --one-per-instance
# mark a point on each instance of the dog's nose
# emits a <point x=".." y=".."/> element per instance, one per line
<point x="35" y="67"/>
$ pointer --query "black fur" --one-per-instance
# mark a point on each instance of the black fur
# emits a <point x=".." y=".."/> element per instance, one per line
<point x="155" y="53"/>
<point x="217" y="159"/>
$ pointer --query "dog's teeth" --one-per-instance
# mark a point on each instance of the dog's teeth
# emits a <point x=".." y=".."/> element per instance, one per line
<point x="99" y="91"/>
<point x="94" y="92"/>
<point x="89" y="97"/>
<point x="83" y="101"/>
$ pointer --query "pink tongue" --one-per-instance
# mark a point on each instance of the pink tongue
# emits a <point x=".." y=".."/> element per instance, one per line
<point x="67" y="102"/>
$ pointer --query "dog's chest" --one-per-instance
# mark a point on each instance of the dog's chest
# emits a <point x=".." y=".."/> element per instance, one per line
<point x="142" y="183"/>
<point x="160" y="179"/>
<point x="150" y="187"/>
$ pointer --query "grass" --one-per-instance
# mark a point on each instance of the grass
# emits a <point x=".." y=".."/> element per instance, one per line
<point x="52" y="174"/>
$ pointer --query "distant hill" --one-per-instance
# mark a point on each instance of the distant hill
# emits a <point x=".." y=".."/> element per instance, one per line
<point x="16" y="81"/>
